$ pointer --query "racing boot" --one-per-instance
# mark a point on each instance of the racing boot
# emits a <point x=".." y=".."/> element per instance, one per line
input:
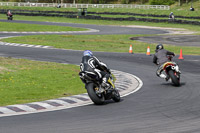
<point x="163" y="76"/>
<point x="167" y="78"/>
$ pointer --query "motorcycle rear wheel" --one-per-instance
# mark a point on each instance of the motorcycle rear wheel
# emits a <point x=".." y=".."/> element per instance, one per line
<point x="98" y="99"/>
<point x="175" y="79"/>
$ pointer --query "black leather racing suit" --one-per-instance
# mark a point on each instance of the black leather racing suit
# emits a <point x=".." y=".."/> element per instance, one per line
<point x="90" y="64"/>
<point x="160" y="57"/>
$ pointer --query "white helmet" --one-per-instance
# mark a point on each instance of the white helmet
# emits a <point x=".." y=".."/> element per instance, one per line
<point x="87" y="53"/>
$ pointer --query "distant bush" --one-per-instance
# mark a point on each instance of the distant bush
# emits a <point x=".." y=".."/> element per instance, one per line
<point x="161" y="2"/>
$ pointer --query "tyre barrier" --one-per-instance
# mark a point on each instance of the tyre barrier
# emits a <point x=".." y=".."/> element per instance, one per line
<point x="97" y="13"/>
<point x="176" y="21"/>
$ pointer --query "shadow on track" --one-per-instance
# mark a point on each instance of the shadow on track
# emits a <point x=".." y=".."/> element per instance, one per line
<point x="171" y="84"/>
<point x="110" y="102"/>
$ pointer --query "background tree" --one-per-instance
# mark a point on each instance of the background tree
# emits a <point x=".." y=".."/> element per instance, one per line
<point x="161" y="2"/>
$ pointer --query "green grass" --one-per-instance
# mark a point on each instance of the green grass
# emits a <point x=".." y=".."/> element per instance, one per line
<point x="107" y="43"/>
<point x="4" y="26"/>
<point x="148" y="17"/>
<point x="24" y="81"/>
<point x="178" y="10"/>
<point x="103" y="22"/>
<point x="38" y="8"/>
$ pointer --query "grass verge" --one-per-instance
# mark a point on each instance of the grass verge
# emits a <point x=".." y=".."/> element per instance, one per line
<point x="106" y="43"/>
<point x="103" y="22"/>
<point x="178" y="10"/>
<point x="4" y="26"/>
<point x="24" y="81"/>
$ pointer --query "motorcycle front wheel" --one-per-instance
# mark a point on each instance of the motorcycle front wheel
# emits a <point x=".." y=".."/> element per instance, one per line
<point x="97" y="98"/>
<point x="116" y="96"/>
<point x="175" y="79"/>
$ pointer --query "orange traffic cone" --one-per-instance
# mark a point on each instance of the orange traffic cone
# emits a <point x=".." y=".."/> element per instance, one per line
<point x="181" y="55"/>
<point x="148" y="51"/>
<point x="130" y="49"/>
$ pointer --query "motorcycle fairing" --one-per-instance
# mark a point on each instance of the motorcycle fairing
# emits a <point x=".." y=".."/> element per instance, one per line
<point x="168" y="64"/>
<point x="88" y="76"/>
<point x="110" y="81"/>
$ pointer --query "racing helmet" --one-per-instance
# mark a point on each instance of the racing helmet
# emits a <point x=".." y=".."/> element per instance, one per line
<point x="159" y="46"/>
<point x="87" y="53"/>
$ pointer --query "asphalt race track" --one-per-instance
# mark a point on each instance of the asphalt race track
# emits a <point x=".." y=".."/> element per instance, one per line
<point x="158" y="107"/>
<point x="183" y="40"/>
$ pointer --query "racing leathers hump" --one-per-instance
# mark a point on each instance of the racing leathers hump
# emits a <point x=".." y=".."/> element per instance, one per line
<point x="160" y="56"/>
<point x="92" y="65"/>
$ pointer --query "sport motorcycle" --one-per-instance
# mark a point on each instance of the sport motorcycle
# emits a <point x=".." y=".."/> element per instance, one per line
<point x="99" y="92"/>
<point x="172" y="71"/>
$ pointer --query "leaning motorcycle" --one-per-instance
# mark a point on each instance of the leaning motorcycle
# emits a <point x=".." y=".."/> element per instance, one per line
<point x="172" y="71"/>
<point x="97" y="91"/>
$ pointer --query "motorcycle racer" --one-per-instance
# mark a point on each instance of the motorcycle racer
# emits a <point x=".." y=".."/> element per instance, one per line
<point x="9" y="15"/>
<point x="93" y="66"/>
<point x="160" y="58"/>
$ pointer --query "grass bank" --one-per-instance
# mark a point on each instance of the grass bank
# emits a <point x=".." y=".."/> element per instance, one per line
<point x="20" y="27"/>
<point x="178" y="10"/>
<point x="106" y="43"/>
<point x="103" y="22"/>
<point x="24" y="81"/>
